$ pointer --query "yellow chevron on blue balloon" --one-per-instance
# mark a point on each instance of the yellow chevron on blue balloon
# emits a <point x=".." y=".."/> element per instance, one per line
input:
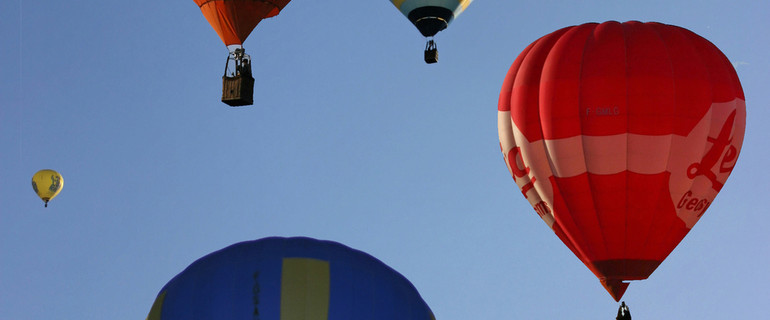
<point x="304" y="289"/>
<point x="157" y="307"/>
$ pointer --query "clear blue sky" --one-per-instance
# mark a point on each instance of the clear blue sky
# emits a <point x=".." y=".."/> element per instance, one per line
<point x="352" y="138"/>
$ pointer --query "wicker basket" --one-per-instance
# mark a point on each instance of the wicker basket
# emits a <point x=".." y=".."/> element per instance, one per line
<point x="238" y="90"/>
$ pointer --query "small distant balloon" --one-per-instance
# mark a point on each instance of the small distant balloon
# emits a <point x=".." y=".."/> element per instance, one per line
<point x="47" y="184"/>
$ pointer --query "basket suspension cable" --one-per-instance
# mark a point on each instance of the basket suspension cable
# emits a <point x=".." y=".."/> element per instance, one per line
<point x="227" y="63"/>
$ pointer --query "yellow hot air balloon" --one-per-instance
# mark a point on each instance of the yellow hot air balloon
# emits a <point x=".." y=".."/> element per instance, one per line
<point x="47" y="184"/>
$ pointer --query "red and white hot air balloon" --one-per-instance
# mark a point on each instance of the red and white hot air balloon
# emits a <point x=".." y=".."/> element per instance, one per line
<point x="620" y="135"/>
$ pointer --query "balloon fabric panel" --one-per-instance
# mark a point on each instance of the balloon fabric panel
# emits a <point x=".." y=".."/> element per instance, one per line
<point x="305" y="289"/>
<point x="233" y="20"/>
<point x="620" y="135"/>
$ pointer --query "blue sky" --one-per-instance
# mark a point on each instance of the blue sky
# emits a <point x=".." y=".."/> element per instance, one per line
<point x="352" y="138"/>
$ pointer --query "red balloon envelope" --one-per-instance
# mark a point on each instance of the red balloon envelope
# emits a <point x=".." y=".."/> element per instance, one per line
<point x="235" y="19"/>
<point x="620" y="135"/>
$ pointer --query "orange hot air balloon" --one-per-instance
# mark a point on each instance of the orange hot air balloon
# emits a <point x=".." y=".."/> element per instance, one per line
<point x="620" y="136"/>
<point x="233" y="20"/>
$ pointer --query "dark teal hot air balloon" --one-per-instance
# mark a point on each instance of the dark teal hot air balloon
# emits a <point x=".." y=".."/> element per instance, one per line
<point x="289" y="279"/>
<point x="430" y="17"/>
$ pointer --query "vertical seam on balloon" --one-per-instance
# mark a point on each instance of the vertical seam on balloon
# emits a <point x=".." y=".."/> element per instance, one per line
<point x="673" y="221"/>
<point x="569" y="233"/>
<point x="231" y="24"/>
<point x="651" y="227"/>
<point x="517" y="142"/>
<point x="582" y="138"/>
<point x="547" y="152"/>
<point x="554" y="185"/>
<point x="690" y="38"/>
<point x="654" y="216"/>
<point x="671" y="135"/>
<point x="624" y="255"/>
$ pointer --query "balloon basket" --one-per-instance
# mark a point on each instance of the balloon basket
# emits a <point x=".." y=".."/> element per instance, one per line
<point x="238" y="90"/>
<point x="237" y="83"/>
<point x="431" y="52"/>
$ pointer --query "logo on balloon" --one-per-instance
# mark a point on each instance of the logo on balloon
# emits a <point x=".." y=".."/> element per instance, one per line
<point x="255" y="295"/>
<point x="520" y="172"/>
<point x="694" y="204"/>
<point x="514" y="156"/>
<point x="55" y="184"/>
<point x="603" y="111"/>
<point x="720" y="143"/>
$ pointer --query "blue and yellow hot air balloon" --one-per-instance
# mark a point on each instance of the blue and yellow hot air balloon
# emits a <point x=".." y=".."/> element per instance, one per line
<point x="430" y="17"/>
<point x="289" y="279"/>
<point x="47" y="184"/>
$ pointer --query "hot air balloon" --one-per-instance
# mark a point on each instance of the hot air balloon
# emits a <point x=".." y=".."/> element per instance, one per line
<point x="289" y="278"/>
<point x="620" y="135"/>
<point x="233" y="21"/>
<point x="430" y="17"/>
<point x="47" y="184"/>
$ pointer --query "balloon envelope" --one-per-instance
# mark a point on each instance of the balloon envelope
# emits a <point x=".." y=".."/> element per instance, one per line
<point x="234" y="20"/>
<point x="620" y="135"/>
<point x="47" y="184"/>
<point x="289" y="278"/>
<point x="431" y="16"/>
